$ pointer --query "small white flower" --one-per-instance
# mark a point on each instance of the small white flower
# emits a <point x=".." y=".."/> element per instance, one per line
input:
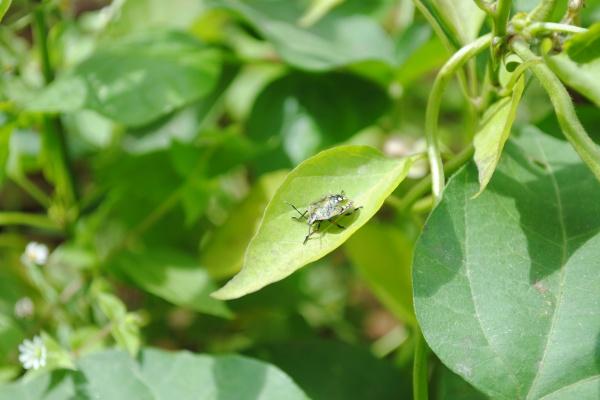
<point x="32" y="353"/>
<point x="24" y="308"/>
<point x="36" y="253"/>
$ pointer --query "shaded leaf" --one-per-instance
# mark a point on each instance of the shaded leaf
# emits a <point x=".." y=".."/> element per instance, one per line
<point x="223" y="254"/>
<point x="382" y="255"/>
<point x="300" y="114"/>
<point x="174" y="276"/>
<point x="340" y="38"/>
<point x="505" y="285"/>
<point x="493" y="133"/>
<point x="277" y="249"/>
<point x="329" y="370"/>
<point x="4" y="5"/>
<point x="581" y="77"/>
<point x="452" y="387"/>
<point x="136" y="80"/>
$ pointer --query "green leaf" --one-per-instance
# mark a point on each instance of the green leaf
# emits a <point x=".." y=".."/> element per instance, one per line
<point x="581" y="77"/>
<point x="136" y="80"/>
<point x="57" y="356"/>
<point x="124" y="326"/>
<point x="382" y="255"/>
<point x="307" y="113"/>
<point x="159" y="375"/>
<point x="4" y="5"/>
<point x="460" y="20"/>
<point x="223" y="254"/>
<point x="493" y="133"/>
<point x="505" y="285"/>
<point x="277" y="249"/>
<point x="340" y="38"/>
<point x="452" y="387"/>
<point x="331" y="370"/>
<point x="584" y="47"/>
<point x="174" y="276"/>
<point x="147" y="15"/>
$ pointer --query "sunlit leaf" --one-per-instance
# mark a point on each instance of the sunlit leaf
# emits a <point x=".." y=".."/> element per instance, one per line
<point x="136" y="80"/>
<point x="505" y="285"/>
<point x="461" y="20"/>
<point x="493" y="133"/>
<point x="277" y="249"/>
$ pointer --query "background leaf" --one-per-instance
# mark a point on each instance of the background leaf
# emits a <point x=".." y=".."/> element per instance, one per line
<point x="174" y="276"/>
<point x="159" y="375"/>
<point x="581" y="77"/>
<point x="585" y="47"/>
<point x="300" y="114"/>
<point x="382" y="255"/>
<point x="277" y="250"/>
<point x="504" y="284"/>
<point x="460" y="19"/>
<point x="137" y="80"/>
<point x="340" y="38"/>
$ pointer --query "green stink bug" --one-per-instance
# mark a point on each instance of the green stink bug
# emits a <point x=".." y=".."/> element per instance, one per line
<point x="325" y="209"/>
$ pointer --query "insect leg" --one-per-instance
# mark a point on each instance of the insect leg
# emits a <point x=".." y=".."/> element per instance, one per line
<point x="353" y="210"/>
<point x="336" y="224"/>
<point x="310" y="233"/>
<point x="302" y="215"/>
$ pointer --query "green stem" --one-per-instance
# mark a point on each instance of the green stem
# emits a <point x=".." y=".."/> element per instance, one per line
<point x="420" y="373"/>
<point x="565" y="112"/>
<point x="514" y="77"/>
<point x="54" y="140"/>
<point x="485" y="6"/>
<point x="33" y="220"/>
<point x="536" y="28"/>
<point x="433" y="109"/>
<point x="424" y="185"/>
<point x="501" y="15"/>
<point x="36" y="193"/>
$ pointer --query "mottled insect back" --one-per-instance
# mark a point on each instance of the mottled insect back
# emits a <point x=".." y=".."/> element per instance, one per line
<point x="325" y="209"/>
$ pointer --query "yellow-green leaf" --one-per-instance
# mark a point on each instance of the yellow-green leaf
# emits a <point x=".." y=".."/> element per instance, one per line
<point x="494" y="132"/>
<point x="277" y="249"/>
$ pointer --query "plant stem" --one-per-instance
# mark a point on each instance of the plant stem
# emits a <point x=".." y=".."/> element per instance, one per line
<point x="565" y="112"/>
<point x="545" y="27"/>
<point x="484" y="6"/>
<point x="36" y="193"/>
<point x="33" y="220"/>
<point x="424" y="185"/>
<point x="433" y="109"/>
<point x="54" y="140"/>
<point x="420" y="373"/>
<point x="514" y="77"/>
<point x="501" y="15"/>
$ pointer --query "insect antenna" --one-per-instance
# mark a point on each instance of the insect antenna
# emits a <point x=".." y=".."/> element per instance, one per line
<point x="302" y="214"/>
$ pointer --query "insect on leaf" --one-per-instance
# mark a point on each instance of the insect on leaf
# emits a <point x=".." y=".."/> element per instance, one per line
<point x="277" y="250"/>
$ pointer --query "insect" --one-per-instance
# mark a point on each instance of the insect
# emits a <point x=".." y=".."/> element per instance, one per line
<point x="325" y="209"/>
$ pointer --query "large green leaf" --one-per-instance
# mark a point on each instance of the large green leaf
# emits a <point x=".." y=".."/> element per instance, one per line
<point x="300" y="114"/>
<point x="493" y="133"/>
<point x="506" y="285"/>
<point x="159" y="375"/>
<point x="581" y="77"/>
<point x="174" y="276"/>
<point x="340" y="38"/>
<point x="277" y="249"/>
<point x="136" y="80"/>
<point x="382" y="255"/>
<point x="4" y="5"/>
